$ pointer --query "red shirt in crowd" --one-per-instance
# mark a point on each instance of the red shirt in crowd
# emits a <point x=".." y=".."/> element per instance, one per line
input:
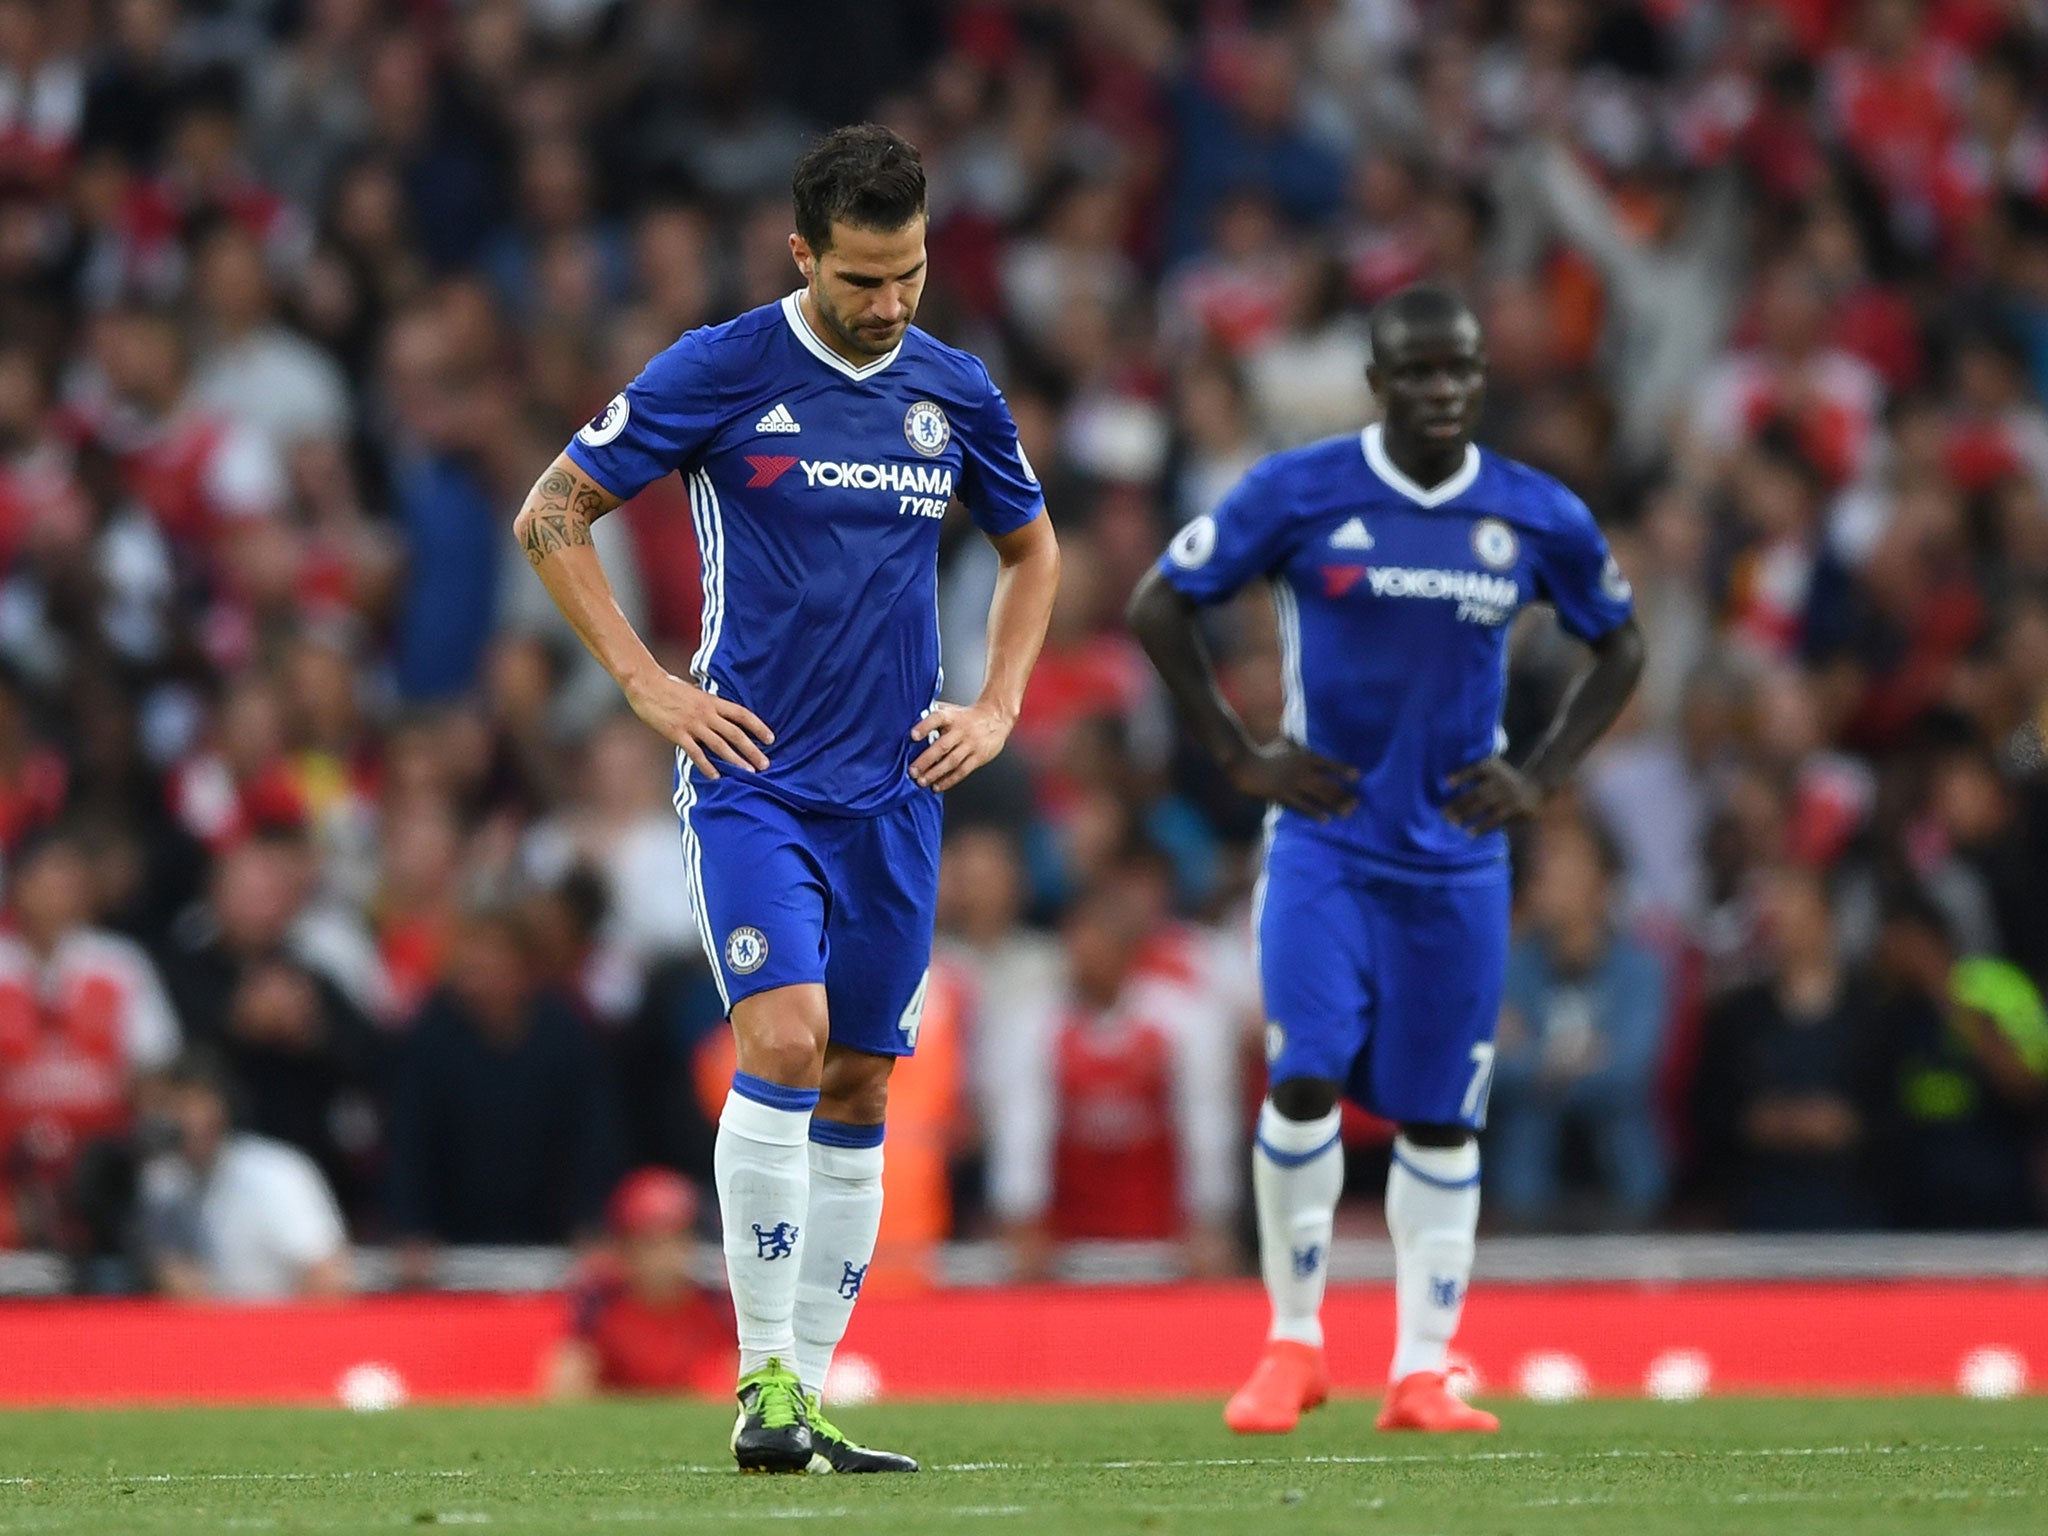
<point x="683" y="1345"/>
<point x="1897" y="116"/>
<point x="32" y="794"/>
<point x="666" y="546"/>
<point x="1831" y="401"/>
<point x="40" y="496"/>
<point x="1103" y="676"/>
<point x="73" y="1032"/>
<point x="1123" y="1080"/>
<point x="1116" y="1159"/>
<point x="199" y="473"/>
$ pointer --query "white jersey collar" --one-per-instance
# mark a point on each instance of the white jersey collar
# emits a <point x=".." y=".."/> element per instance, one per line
<point x="1435" y="496"/>
<point x="793" y="312"/>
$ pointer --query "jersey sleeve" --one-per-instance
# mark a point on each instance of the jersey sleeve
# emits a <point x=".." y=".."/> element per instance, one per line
<point x="655" y="424"/>
<point x="1580" y="577"/>
<point x="997" y="482"/>
<point x="1241" y="541"/>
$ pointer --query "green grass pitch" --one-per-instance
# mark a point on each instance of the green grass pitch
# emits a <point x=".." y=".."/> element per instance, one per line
<point x="1813" y="1466"/>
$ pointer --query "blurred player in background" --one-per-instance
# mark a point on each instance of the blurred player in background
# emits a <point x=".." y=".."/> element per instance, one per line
<point x="638" y="1320"/>
<point x="1397" y="560"/>
<point x="822" y="438"/>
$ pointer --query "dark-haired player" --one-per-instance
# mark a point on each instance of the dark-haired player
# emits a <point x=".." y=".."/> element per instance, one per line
<point x="1397" y="559"/>
<point x="821" y="438"/>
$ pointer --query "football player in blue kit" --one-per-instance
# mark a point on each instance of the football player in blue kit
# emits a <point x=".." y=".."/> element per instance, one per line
<point x="822" y="439"/>
<point x="1397" y="559"/>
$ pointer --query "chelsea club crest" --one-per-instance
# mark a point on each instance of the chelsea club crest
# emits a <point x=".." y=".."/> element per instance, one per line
<point x="925" y="425"/>
<point x="1494" y="542"/>
<point x="745" y="951"/>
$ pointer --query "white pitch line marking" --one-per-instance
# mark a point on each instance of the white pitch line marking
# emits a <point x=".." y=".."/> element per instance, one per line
<point x="339" y="1474"/>
<point x="349" y="1474"/>
<point x="1786" y="1496"/>
<point x="1618" y="1453"/>
<point x="686" y="1516"/>
<point x="668" y="1516"/>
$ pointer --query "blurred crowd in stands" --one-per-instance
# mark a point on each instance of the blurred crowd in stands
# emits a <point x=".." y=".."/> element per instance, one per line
<point x="343" y="897"/>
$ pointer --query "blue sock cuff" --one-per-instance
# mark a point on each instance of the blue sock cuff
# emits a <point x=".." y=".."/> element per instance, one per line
<point x="837" y="1133"/>
<point x="1294" y="1159"/>
<point x="774" y="1095"/>
<point x="1431" y="1179"/>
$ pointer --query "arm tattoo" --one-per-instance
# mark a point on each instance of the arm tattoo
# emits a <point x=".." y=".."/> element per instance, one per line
<point x="559" y="514"/>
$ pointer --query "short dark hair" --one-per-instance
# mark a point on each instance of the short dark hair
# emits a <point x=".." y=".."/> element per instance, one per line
<point x="865" y="175"/>
<point x="1418" y="304"/>
<point x="586" y="896"/>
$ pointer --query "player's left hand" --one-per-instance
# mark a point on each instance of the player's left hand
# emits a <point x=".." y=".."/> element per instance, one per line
<point x="962" y="737"/>
<point x="1492" y="794"/>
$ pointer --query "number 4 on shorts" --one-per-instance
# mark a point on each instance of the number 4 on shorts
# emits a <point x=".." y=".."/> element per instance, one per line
<point x="1474" y="1107"/>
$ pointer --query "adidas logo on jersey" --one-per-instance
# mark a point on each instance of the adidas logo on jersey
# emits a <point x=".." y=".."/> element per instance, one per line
<point x="1353" y="535"/>
<point x="778" y="420"/>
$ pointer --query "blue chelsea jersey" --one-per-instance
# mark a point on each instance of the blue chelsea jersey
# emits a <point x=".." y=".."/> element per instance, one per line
<point x="817" y="488"/>
<point x="1394" y="604"/>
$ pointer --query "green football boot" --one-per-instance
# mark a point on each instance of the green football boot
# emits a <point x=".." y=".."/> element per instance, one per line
<point x="772" y="1432"/>
<point x="831" y="1451"/>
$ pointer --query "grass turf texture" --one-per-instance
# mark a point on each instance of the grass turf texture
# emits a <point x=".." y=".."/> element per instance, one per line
<point x="1731" y="1465"/>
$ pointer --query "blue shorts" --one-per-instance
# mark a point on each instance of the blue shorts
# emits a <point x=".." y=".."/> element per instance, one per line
<point x="1389" y="986"/>
<point x="786" y="896"/>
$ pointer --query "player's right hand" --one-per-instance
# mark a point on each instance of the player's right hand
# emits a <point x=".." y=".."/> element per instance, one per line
<point x="1287" y="773"/>
<point x="702" y="724"/>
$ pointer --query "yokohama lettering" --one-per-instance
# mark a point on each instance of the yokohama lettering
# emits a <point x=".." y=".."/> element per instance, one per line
<point x="1461" y="586"/>
<point x="935" y="480"/>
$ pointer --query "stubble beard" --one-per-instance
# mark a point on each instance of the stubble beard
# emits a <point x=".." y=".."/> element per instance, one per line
<point x="847" y="334"/>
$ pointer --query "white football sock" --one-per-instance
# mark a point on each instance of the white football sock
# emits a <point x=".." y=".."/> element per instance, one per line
<point x="1297" y="1175"/>
<point x="1432" y="1214"/>
<point x="764" y="1184"/>
<point x="839" y="1240"/>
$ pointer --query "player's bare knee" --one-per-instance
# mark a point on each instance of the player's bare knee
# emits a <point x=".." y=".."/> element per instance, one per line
<point x="1421" y="1135"/>
<point x="780" y="1036"/>
<point x="780" y="1055"/>
<point x="1304" y="1098"/>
